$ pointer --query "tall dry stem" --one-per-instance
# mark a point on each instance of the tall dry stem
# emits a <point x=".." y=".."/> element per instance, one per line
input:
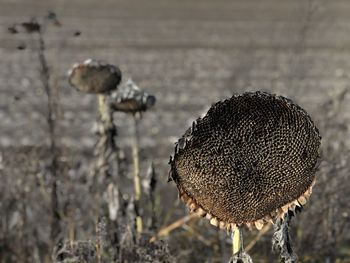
<point x="137" y="179"/>
<point x="45" y="78"/>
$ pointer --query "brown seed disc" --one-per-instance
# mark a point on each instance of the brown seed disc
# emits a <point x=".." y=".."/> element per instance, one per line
<point x="94" y="76"/>
<point x="248" y="158"/>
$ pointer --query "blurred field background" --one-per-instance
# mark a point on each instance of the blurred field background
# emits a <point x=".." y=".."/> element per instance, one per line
<point x="189" y="54"/>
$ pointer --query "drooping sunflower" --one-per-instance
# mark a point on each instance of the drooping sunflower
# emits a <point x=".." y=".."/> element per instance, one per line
<point x="94" y="76"/>
<point x="249" y="160"/>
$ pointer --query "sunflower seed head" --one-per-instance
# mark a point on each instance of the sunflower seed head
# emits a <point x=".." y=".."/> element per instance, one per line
<point x="250" y="157"/>
<point x="131" y="99"/>
<point x="93" y="76"/>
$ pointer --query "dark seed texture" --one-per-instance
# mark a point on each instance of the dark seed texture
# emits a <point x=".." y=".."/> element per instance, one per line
<point x="249" y="156"/>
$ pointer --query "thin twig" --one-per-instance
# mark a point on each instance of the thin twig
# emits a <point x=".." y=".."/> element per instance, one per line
<point x="200" y="237"/>
<point x="261" y="233"/>
<point x="178" y="223"/>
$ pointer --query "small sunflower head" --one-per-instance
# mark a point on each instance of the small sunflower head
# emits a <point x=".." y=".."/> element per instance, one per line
<point x="94" y="76"/>
<point x="131" y="99"/>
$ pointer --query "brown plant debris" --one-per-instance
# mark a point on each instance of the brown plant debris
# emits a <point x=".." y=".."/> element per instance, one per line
<point x="77" y="251"/>
<point x="250" y="160"/>
<point x="281" y="240"/>
<point x="93" y="76"/>
<point x="31" y="26"/>
<point x="243" y="257"/>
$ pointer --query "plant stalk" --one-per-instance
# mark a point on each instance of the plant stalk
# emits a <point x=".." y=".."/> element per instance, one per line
<point x="137" y="179"/>
<point x="107" y="131"/>
<point x="237" y="241"/>
<point x="238" y="253"/>
<point x="45" y="78"/>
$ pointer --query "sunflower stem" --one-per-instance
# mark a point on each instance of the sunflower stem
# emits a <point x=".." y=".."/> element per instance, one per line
<point x="237" y="241"/>
<point x="137" y="179"/>
<point x="239" y="255"/>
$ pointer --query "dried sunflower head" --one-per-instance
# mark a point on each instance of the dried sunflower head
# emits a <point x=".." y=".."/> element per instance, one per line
<point x="249" y="160"/>
<point x="94" y="76"/>
<point x="130" y="98"/>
